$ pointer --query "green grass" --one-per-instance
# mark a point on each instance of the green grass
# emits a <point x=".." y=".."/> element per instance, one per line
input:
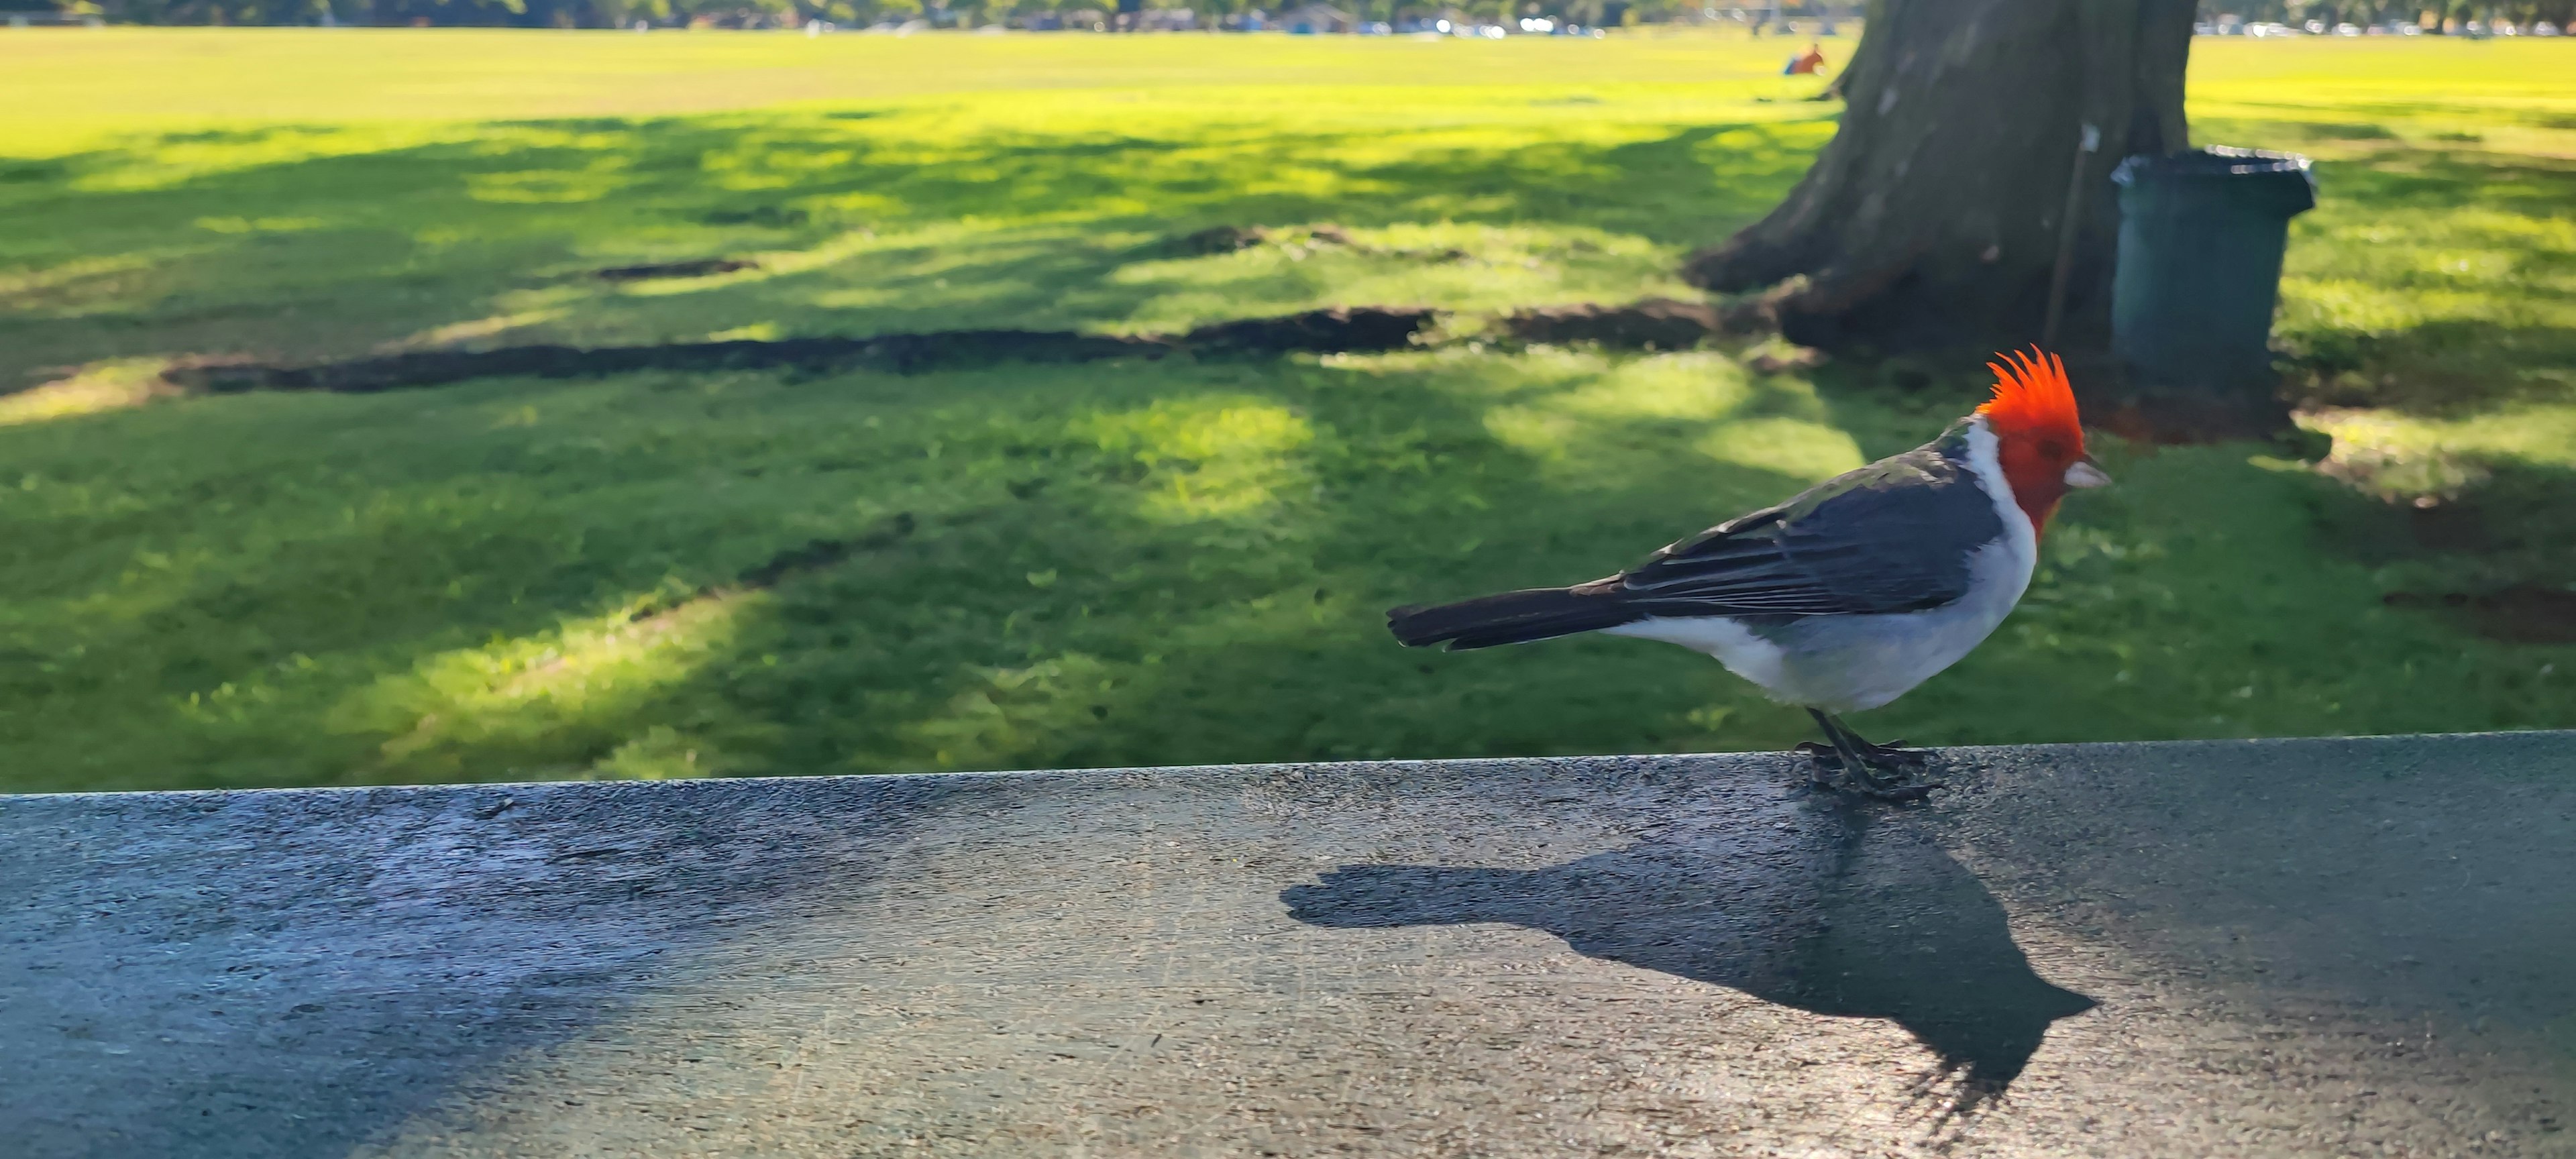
<point x="1137" y="562"/>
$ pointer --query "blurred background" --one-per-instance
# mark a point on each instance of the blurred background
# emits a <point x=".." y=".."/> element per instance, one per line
<point x="688" y="571"/>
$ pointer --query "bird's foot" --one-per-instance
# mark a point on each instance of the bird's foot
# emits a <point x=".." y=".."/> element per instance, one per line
<point x="1823" y="763"/>
<point x="1888" y="772"/>
<point x="1894" y="755"/>
<point x="1909" y="790"/>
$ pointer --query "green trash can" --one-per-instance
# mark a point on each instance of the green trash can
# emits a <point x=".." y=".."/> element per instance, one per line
<point x="2201" y="238"/>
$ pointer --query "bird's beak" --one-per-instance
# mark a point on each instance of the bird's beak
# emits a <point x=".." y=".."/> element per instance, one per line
<point x="2086" y="473"/>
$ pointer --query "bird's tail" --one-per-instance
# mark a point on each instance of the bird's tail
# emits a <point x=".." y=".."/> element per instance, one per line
<point x="1511" y="617"/>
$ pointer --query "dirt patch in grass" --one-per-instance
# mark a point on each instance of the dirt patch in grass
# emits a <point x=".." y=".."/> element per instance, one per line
<point x="2521" y="614"/>
<point x="1362" y="329"/>
<point x="1226" y="239"/>
<point x="2449" y="527"/>
<point x="1336" y="330"/>
<point x="2174" y="420"/>
<point x="2485" y="540"/>
<point x="1651" y="324"/>
<point x="901" y="353"/>
<point x="1222" y="239"/>
<point x="817" y="554"/>
<point x="703" y="267"/>
<point x="811" y="556"/>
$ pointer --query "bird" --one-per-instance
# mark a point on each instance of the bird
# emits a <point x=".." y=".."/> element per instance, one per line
<point x="1849" y="594"/>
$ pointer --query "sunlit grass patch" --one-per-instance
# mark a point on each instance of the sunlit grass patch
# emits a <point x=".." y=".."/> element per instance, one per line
<point x="1005" y="715"/>
<point x="114" y="385"/>
<point x="1211" y="458"/>
<point x="1559" y="407"/>
<point x="968" y="210"/>
<point x="662" y="753"/>
<point x="1789" y="446"/>
<point x="1457" y="266"/>
<point x="476" y="331"/>
<point x="545" y="700"/>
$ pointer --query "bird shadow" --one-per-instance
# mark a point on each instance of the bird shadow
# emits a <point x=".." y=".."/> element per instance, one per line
<point x="1890" y="926"/>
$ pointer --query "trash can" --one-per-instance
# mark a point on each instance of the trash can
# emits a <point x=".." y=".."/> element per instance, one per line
<point x="2201" y="237"/>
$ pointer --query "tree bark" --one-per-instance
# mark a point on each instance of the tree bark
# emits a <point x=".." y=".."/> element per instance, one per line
<point x="1931" y="220"/>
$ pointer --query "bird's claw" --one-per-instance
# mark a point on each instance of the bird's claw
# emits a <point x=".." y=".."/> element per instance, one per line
<point x="1895" y="753"/>
<point x="1898" y="763"/>
<point x="1824" y="759"/>
<point x="1910" y="791"/>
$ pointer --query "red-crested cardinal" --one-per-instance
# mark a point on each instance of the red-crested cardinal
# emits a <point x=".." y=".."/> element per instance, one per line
<point x="1847" y="596"/>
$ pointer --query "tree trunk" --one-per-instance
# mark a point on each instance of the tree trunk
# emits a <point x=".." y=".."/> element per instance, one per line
<point x="1931" y="221"/>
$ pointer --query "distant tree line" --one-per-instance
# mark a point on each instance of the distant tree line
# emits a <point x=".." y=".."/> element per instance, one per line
<point x="2429" y="13"/>
<point x="784" y="13"/>
<point x="791" y="13"/>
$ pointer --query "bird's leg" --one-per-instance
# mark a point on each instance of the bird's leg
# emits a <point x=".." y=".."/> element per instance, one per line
<point x="1886" y="772"/>
<point x="1842" y="756"/>
<point x="1856" y="753"/>
<point x="1823" y="760"/>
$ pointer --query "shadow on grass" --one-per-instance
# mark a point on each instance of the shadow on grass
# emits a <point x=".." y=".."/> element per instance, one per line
<point x="2487" y="544"/>
<point x="1126" y="564"/>
<point x="2432" y="280"/>
<point x="2445" y="293"/>
<point x="1129" y="563"/>
<point x="1120" y="564"/>
<point x="2435" y="368"/>
<point x="1166" y="599"/>
<point x="344" y="245"/>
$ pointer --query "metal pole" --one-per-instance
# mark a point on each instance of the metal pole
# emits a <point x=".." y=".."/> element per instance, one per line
<point x="2066" y="237"/>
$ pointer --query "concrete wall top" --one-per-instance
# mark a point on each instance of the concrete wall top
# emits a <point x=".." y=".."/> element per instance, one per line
<point x="2318" y="947"/>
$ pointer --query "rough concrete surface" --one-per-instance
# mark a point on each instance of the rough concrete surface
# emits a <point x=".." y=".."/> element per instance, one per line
<point x="2341" y="947"/>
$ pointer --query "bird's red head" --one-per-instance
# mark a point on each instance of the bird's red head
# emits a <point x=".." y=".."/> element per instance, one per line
<point x="2037" y="435"/>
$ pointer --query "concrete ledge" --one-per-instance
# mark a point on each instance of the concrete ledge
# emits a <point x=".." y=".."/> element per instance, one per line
<point x="2282" y="948"/>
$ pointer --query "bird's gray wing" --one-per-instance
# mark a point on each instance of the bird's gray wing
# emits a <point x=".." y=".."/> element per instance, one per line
<point x="1894" y="536"/>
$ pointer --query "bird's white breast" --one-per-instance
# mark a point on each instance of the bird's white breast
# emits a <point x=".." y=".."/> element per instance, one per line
<point x="2021" y="540"/>
<point x="1853" y="663"/>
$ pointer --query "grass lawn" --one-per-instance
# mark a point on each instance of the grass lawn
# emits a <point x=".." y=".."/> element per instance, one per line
<point x="1153" y="561"/>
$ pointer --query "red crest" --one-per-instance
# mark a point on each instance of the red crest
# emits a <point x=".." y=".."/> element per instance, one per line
<point x="2037" y="432"/>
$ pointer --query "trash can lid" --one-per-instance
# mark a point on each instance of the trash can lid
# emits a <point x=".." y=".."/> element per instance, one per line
<point x="2249" y="170"/>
